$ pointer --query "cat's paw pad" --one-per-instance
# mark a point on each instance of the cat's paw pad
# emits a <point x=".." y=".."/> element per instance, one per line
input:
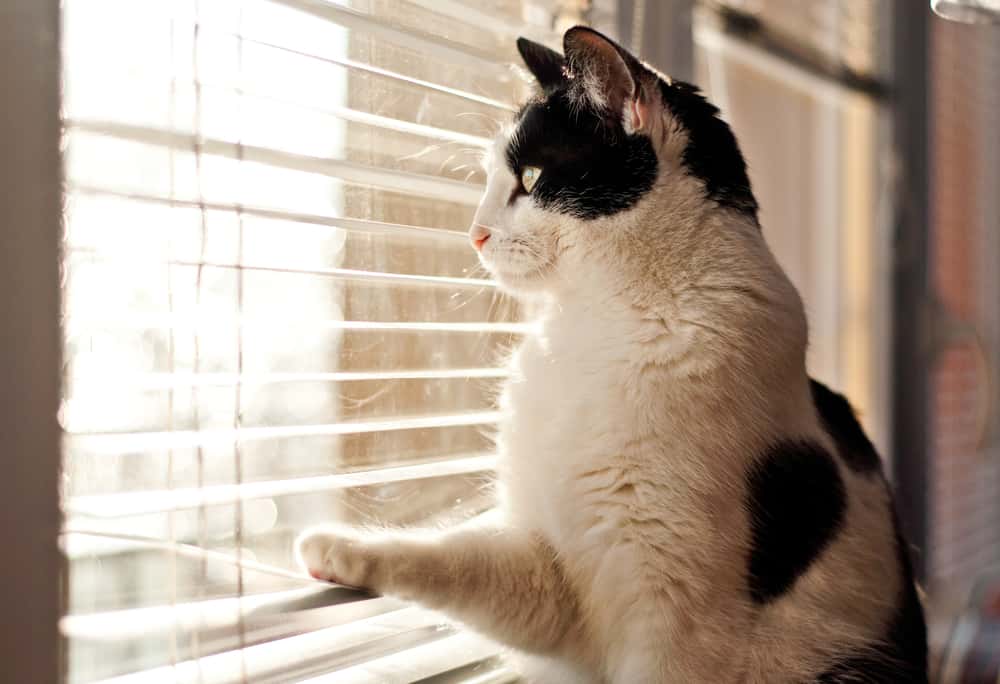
<point x="337" y="555"/>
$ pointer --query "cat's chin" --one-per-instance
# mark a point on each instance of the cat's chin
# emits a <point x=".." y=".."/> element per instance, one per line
<point x="521" y="282"/>
<point x="518" y="276"/>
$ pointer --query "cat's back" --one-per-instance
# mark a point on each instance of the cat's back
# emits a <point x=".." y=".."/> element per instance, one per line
<point x="899" y="651"/>
<point x="845" y="610"/>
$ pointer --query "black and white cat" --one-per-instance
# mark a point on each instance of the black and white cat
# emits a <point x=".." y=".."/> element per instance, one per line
<point x="681" y="502"/>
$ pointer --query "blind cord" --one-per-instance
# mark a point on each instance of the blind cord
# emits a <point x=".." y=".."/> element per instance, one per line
<point x="197" y="139"/>
<point x="238" y="389"/>
<point x="171" y="347"/>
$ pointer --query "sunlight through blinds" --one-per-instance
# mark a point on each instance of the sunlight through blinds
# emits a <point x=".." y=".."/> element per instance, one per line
<point x="273" y="319"/>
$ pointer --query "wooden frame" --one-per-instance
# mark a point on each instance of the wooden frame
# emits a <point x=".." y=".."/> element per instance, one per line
<point x="909" y="61"/>
<point x="30" y="219"/>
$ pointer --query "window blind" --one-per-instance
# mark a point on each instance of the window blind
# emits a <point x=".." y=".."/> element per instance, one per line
<point x="844" y="32"/>
<point x="272" y="319"/>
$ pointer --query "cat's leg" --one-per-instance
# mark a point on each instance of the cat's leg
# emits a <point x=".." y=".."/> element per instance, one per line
<point x="503" y="582"/>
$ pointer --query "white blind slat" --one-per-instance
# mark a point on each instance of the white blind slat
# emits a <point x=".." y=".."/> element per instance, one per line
<point x="418" y="41"/>
<point x="210" y="322"/>
<point x="294" y="104"/>
<point x="152" y="501"/>
<point x="123" y="443"/>
<point x="160" y="381"/>
<point x="345" y="273"/>
<point x="221" y="636"/>
<point x="320" y="648"/>
<point x="342" y="222"/>
<point x="122" y="625"/>
<point x="421" y="662"/>
<point x="475" y="14"/>
<point x="290" y="26"/>
<point x="389" y="74"/>
<point x="399" y="181"/>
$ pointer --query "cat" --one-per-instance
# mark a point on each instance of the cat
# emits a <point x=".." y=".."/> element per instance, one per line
<point x="680" y="501"/>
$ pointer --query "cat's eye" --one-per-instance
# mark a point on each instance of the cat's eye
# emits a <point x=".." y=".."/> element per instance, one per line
<point x="529" y="176"/>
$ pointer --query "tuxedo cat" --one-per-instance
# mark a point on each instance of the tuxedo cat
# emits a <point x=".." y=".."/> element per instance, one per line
<point x="680" y="502"/>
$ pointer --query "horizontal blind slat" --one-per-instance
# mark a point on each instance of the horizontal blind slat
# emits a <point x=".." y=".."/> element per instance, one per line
<point x="427" y="660"/>
<point x="280" y="658"/>
<point x="143" y="502"/>
<point x="122" y="625"/>
<point x="487" y="671"/>
<point x="493" y="67"/>
<point x="444" y="189"/>
<point x="341" y="273"/>
<point x="387" y="73"/>
<point x="121" y="443"/>
<point x="345" y="223"/>
<point x="476" y="15"/>
<point x="426" y="44"/>
<point x="254" y="95"/>
<point x="76" y="324"/>
<point x="376" y="121"/>
<point x="158" y="381"/>
<point x="71" y="534"/>
<point x="139" y="648"/>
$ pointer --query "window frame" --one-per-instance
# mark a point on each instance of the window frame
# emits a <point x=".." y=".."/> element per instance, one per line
<point x="31" y="212"/>
<point x="31" y="172"/>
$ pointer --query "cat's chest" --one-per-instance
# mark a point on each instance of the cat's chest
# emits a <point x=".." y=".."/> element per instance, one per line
<point x="569" y="420"/>
<point x="558" y="400"/>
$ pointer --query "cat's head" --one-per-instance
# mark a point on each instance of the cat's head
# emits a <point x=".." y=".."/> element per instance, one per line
<point x="604" y="136"/>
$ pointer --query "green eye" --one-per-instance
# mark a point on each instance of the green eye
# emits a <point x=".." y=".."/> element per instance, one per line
<point x="529" y="176"/>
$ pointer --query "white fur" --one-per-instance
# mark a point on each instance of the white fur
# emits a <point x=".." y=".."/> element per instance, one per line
<point x="670" y="353"/>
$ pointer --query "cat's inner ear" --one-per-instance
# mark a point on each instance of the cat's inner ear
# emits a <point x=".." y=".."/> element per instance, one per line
<point x="544" y="63"/>
<point x="608" y="77"/>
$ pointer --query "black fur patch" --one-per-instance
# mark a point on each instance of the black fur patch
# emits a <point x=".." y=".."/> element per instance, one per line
<point x="712" y="153"/>
<point x="842" y="425"/>
<point x="901" y="657"/>
<point x="590" y="167"/>
<point x="545" y="64"/>
<point x="594" y="168"/>
<point x="795" y="499"/>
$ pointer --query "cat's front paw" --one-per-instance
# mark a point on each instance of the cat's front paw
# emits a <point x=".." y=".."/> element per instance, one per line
<point x="340" y="555"/>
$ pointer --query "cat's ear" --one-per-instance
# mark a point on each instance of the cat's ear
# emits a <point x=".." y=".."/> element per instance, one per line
<point x="608" y="77"/>
<point x="544" y="63"/>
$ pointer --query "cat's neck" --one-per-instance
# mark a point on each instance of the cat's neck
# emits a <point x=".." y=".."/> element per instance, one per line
<point x="719" y="277"/>
<point x="737" y="317"/>
<point x="722" y="358"/>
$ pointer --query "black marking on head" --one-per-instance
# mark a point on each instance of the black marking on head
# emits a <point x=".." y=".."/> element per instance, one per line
<point x="839" y="421"/>
<point x="584" y="97"/>
<point x="712" y="153"/>
<point x="796" y="502"/>
<point x="901" y="654"/>
<point x="545" y="64"/>
<point x="590" y="166"/>
<point x="602" y="71"/>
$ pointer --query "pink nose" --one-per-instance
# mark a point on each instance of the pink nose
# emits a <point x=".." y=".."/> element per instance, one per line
<point x="479" y="234"/>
